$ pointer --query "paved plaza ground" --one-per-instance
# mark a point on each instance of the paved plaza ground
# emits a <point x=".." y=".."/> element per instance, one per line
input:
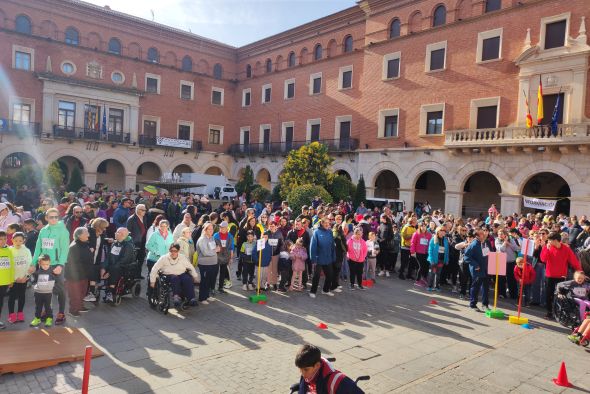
<point x="390" y="332"/>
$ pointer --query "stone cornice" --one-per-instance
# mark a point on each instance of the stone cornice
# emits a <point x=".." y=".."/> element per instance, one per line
<point x="87" y="84"/>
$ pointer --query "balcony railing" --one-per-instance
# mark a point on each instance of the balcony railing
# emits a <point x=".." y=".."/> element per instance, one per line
<point x="174" y="143"/>
<point x="335" y="146"/>
<point x="20" y="129"/>
<point x="538" y="135"/>
<point x="81" y="133"/>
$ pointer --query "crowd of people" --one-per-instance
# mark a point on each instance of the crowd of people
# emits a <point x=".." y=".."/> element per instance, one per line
<point x="87" y="239"/>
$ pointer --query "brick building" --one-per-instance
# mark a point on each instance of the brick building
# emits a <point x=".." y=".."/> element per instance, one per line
<point x="425" y="99"/>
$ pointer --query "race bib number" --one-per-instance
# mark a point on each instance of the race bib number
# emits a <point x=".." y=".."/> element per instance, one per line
<point x="260" y="244"/>
<point x="115" y="250"/>
<point x="43" y="278"/>
<point x="579" y="292"/>
<point x="273" y="242"/>
<point x="441" y="249"/>
<point x="4" y="263"/>
<point x="423" y="241"/>
<point x="20" y="261"/>
<point x="111" y="220"/>
<point x="248" y="250"/>
<point x="223" y="243"/>
<point x="212" y="245"/>
<point x="48" y="243"/>
<point x="485" y="251"/>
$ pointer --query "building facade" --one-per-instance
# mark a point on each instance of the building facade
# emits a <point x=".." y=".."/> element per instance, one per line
<point x="426" y="99"/>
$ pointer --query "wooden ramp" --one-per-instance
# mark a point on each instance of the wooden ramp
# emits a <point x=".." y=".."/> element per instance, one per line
<point x="33" y="349"/>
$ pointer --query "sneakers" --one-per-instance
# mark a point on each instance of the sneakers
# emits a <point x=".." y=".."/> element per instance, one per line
<point x="338" y="290"/>
<point x="193" y="302"/>
<point x="340" y="287"/>
<point x="362" y="288"/>
<point x="387" y="274"/>
<point x="205" y="302"/>
<point x="312" y="295"/>
<point x="250" y="286"/>
<point x="476" y="309"/>
<point x="20" y="317"/>
<point x="84" y="310"/>
<point x="574" y="338"/>
<point x="282" y="289"/>
<point x="455" y="289"/>
<point x="35" y="323"/>
<point x="221" y="291"/>
<point x="108" y="298"/>
<point x="245" y="287"/>
<point x="12" y="318"/>
<point x="461" y="296"/>
<point x="61" y="319"/>
<point x="328" y="293"/>
<point x="437" y="289"/>
<point x="48" y="322"/>
<point x="2" y="326"/>
<point x="91" y="298"/>
<point x="227" y="284"/>
<point x="419" y="283"/>
<point x="73" y="314"/>
<point x="382" y="273"/>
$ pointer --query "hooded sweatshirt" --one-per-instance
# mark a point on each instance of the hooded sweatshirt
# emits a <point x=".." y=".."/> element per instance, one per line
<point x="22" y="261"/>
<point x="53" y="240"/>
<point x="6" y="267"/>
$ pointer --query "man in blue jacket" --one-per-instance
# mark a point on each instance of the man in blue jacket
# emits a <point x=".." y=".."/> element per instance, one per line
<point x="476" y="255"/>
<point x="322" y="254"/>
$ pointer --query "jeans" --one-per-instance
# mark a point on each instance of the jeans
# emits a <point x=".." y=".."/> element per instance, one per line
<point x="17" y="293"/>
<point x="482" y="283"/>
<point x="247" y="273"/>
<point x="328" y="272"/>
<point x="370" y="267"/>
<point x="344" y="273"/>
<point x="538" y="287"/>
<point x="208" y="276"/>
<point x="43" y="301"/>
<point x="60" y="290"/>
<point x="405" y="262"/>
<point x="336" y="267"/>
<point x="424" y="267"/>
<point x="223" y="275"/>
<point x="464" y="278"/>
<point x="183" y="285"/>
<point x="356" y="272"/>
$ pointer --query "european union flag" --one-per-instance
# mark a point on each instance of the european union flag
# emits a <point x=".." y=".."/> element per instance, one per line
<point x="555" y="117"/>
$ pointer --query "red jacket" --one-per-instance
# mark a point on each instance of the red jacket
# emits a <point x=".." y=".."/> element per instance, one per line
<point x="557" y="259"/>
<point x="529" y="274"/>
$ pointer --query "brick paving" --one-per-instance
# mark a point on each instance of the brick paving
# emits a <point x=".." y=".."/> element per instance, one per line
<point x="390" y="332"/>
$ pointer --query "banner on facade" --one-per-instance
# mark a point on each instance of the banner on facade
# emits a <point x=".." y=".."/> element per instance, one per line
<point x="537" y="203"/>
<point x="175" y="143"/>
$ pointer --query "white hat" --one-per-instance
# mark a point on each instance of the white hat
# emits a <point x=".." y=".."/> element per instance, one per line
<point x="3" y="206"/>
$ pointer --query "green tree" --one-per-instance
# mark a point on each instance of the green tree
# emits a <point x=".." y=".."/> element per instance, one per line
<point x="54" y="177"/>
<point x="304" y="194"/>
<point x="276" y="193"/>
<point x="260" y="193"/>
<point x="308" y="165"/>
<point x="361" y="192"/>
<point x="341" y="188"/>
<point x="246" y="183"/>
<point x="30" y="175"/>
<point x="76" y="181"/>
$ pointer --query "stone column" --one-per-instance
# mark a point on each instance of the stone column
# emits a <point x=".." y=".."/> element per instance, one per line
<point x="579" y="207"/>
<point x="90" y="179"/>
<point x="370" y="191"/>
<point x="47" y="121"/>
<point x="130" y="181"/>
<point x="510" y="203"/>
<point x="134" y="124"/>
<point x="454" y="202"/>
<point x="407" y="196"/>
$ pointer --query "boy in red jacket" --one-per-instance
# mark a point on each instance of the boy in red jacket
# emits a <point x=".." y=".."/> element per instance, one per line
<point x="525" y="275"/>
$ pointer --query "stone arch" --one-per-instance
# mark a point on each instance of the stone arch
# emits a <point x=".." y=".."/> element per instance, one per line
<point x="214" y="170"/>
<point x="74" y="153"/>
<point x="94" y="40"/>
<point x="171" y="59"/>
<point x="549" y="185"/>
<point x="148" y="171"/>
<point x="332" y="48"/>
<point x="182" y="168"/>
<point x="386" y="185"/>
<point x="460" y="178"/>
<point x="111" y="173"/>
<point x="420" y="168"/>
<point x="15" y="160"/>
<point x="134" y="50"/>
<point x="462" y="10"/>
<point x="279" y="63"/>
<point x="439" y="15"/>
<point x="345" y="174"/>
<point x="49" y="29"/>
<point x="415" y="22"/>
<point x="567" y="173"/>
<point x="203" y="67"/>
<point x="374" y="171"/>
<point x="343" y="166"/>
<point x="263" y="178"/>
<point x="67" y="164"/>
<point x="430" y="187"/>
<point x="481" y="188"/>
<point x="129" y="168"/>
<point x="303" y="56"/>
<point x="239" y="174"/>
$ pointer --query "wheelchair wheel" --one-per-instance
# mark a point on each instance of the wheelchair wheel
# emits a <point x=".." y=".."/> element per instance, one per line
<point x="136" y="289"/>
<point x="565" y="312"/>
<point x="163" y="299"/>
<point x="153" y="295"/>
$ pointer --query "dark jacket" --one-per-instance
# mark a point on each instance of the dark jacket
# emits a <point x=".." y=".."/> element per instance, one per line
<point x="135" y="232"/>
<point x="321" y="249"/>
<point x="385" y="238"/>
<point x="80" y="261"/>
<point x="92" y="244"/>
<point x="120" y="254"/>
<point x="478" y="263"/>
<point x="328" y="377"/>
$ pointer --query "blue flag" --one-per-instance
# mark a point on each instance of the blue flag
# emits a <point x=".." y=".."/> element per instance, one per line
<point x="104" y="119"/>
<point x="554" y="117"/>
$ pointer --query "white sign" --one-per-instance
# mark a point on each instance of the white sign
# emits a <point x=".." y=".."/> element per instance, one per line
<point x="176" y="143"/>
<point x="537" y="203"/>
<point x="527" y="247"/>
<point x="260" y="244"/>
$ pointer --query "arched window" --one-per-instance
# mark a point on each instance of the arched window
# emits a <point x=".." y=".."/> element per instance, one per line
<point x="248" y="71"/>
<point x="291" y="60"/>
<point x="440" y="16"/>
<point x="187" y="63"/>
<point x="318" y="52"/>
<point x="348" y="44"/>
<point x="153" y="55"/>
<point x="23" y="24"/>
<point x="72" y="36"/>
<point x="115" y="46"/>
<point x="217" y="71"/>
<point x="268" y="65"/>
<point x="395" y="28"/>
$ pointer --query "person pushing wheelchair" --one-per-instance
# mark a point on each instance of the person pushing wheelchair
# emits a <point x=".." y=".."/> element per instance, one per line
<point x="181" y="272"/>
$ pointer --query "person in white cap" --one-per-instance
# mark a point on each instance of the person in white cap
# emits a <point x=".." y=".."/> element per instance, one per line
<point x="7" y="217"/>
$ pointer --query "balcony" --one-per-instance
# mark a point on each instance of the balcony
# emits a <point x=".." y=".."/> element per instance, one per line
<point x="282" y="148"/>
<point x="82" y="133"/>
<point x="567" y="134"/>
<point x="164" y="142"/>
<point x="20" y="129"/>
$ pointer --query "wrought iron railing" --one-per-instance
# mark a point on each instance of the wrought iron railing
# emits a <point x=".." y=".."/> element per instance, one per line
<point x="334" y="145"/>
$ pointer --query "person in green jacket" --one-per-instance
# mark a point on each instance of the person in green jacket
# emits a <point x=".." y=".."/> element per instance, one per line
<point x="54" y="240"/>
<point x="6" y="271"/>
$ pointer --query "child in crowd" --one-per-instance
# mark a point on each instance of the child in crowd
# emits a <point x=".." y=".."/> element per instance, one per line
<point x="438" y="257"/>
<point x="266" y="256"/>
<point x="248" y="261"/>
<point x="22" y="261"/>
<point x="372" y="252"/>
<point x="525" y="274"/>
<point x="6" y="271"/>
<point x="579" y="289"/>
<point x="357" y="253"/>
<point x="225" y="255"/>
<point x="284" y="266"/>
<point x="298" y="255"/>
<point x="45" y="279"/>
<point x="11" y="230"/>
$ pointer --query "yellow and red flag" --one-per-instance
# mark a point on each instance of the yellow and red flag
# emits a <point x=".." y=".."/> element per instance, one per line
<point x="540" y="114"/>
<point x="529" y="118"/>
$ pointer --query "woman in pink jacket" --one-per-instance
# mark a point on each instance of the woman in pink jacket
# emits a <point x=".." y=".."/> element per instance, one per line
<point x="419" y="250"/>
<point x="357" y="253"/>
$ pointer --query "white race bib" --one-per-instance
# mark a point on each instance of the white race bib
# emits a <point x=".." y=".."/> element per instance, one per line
<point x="273" y="242"/>
<point x="115" y="250"/>
<point x="212" y="245"/>
<point x="43" y="278"/>
<point x="111" y="220"/>
<point x="223" y="243"/>
<point x="248" y="250"/>
<point x="20" y="261"/>
<point x="579" y="291"/>
<point x="441" y="249"/>
<point x="4" y="262"/>
<point x="260" y="244"/>
<point x="424" y="241"/>
<point x="485" y="251"/>
<point x="47" y="243"/>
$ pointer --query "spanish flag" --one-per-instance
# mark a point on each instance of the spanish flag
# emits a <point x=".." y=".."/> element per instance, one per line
<point x="540" y="114"/>
<point x="529" y="118"/>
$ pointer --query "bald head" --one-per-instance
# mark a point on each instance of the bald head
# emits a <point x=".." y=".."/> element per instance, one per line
<point x="121" y="234"/>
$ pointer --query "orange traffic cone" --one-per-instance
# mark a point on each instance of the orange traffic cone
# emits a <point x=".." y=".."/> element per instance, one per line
<point x="322" y="326"/>
<point x="562" y="377"/>
<point x="433" y="302"/>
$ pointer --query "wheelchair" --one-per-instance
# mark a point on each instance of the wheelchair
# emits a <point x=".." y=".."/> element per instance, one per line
<point x="160" y="296"/>
<point x="128" y="283"/>
<point x="565" y="310"/>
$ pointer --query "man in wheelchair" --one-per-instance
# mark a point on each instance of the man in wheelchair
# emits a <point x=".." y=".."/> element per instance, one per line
<point x="579" y="289"/>
<point x="180" y="272"/>
<point x="118" y="261"/>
